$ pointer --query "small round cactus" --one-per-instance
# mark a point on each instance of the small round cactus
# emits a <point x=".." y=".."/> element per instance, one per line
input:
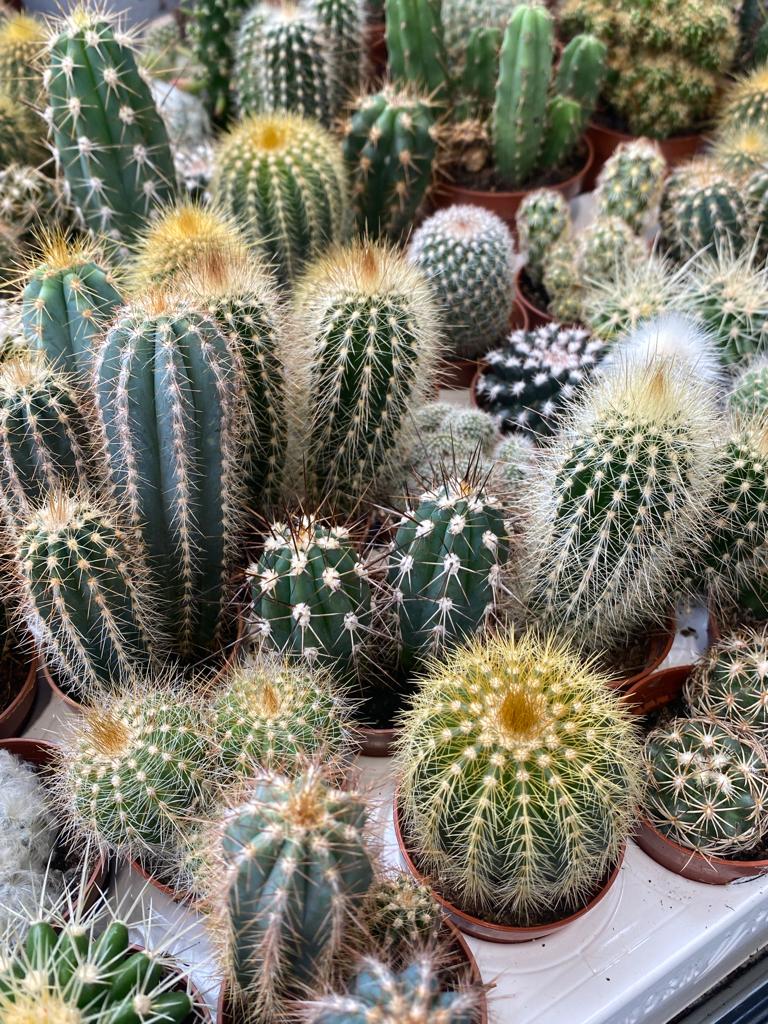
<point x="746" y="102"/>
<point x="401" y="914"/>
<point x="703" y="209"/>
<point x="749" y="396"/>
<point x="447" y="438"/>
<point x="467" y="255"/>
<point x="629" y="185"/>
<point x="543" y="218"/>
<point x="706" y="786"/>
<point x="21" y="133"/>
<point x="731" y="682"/>
<point x="639" y="291"/>
<point x="740" y="149"/>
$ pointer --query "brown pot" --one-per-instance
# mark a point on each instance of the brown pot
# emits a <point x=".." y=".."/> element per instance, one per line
<point x="376" y="42"/>
<point x="485" y="930"/>
<point x="14" y="717"/>
<point x="376" y="742"/>
<point x="660" y="644"/>
<point x="676" y="150"/>
<point x="536" y="316"/>
<point x="505" y="204"/>
<point x="519" y="321"/>
<point x="174" y="895"/>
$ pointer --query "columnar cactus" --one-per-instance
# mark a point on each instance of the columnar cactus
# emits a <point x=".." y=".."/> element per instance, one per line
<point x="461" y="18"/>
<point x="29" y="198"/>
<point x="401" y="914"/>
<point x="109" y="141"/>
<point x="416" y="47"/>
<point x="702" y="208"/>
<point x="343" y="22"/>
<point x="22" y="44"/>
<point x="707" y="786"/>
<point x="630" y="184"/>
<point x="169" y="392"/>
<point x="540" y="811"/>
<point x="731" y="682"/>
<point x="370" y="323"/>
<point x="749" y="396"/>
<point x="467" y="254"/>
<point x="283" y="179"/>
<point x="390" y="147"/>
<point x="22" y="133"/>
<point x="640" y="290"/>
<point x="445" y="568"/>
<point x="212" y="27"/>
<point x="542" y="219"/>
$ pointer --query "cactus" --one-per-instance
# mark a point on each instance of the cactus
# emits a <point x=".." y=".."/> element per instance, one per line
<point x="526" y="383"/>
<point x="707" y="786"/>
<point x="749" y="396"/>
<point x="311" y="595"/>
<point x="21" y="133"/>
<point x="290" y="871"/>
<point x="401" y="914"/>
<point x="746" y="102"/>
<point x="449" y="438"/>
<point x="22" y="44"/>
<point x="170" y="397"/>
<point x="69" y="296"/>
<point x="756" y="197"/>
<point x="28" y="198"/>
<point x="416" y="47"/>
<point x="731" y="683"/>
<point x="467" y="254"/>
<point x="668" y="336"/>
<point x="83" y="596"/>
<point x="344" y="24"/>
<point x="370" y="323"/>
<point x="542" y="220"/>
<point x="462" y="18"/>
<point x="512" y="467"/>
<point x="10" y="260"/>
<point x="108" y="140"/>
<point x="276" y="715"/>
<point x="739" y="150"/>
<point x="639" y="290"/>
<point x="703" y="209"/>
<point x="539" y="812"/>
<point x="212" y="28"/>
<point x="445" y="568"/>
<point x="630" y="184"/>
<point x="282" y="179"/>
<point x="390" y="149"/>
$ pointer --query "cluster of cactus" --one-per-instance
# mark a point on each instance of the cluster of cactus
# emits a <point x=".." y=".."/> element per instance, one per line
<point x="447" y="438"/>
<point x="526" y="383"/>
<point x="22" y="45"/>
<point x="543" y="219"/>
<point x="749" y="395"/>
<point x="731" y="682"/>
<point x="639" y="291"/>
<point x="22" y="133"/>
<point x="630" y="183"/>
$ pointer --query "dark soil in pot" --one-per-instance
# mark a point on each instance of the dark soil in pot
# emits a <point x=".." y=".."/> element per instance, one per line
<point x="486" y="180"/>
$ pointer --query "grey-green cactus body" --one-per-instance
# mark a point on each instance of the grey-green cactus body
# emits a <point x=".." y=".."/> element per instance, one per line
<point x="542" y="219"/>
<point x="749" y="396"/>
<point x="731" y="683"/>
<point x="630" y="183"/>
<point x="702" y="209"/>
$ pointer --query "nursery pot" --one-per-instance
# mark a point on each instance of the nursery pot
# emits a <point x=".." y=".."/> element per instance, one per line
<point x="455" y="374"/>
<point x="174" y="895"/>
<point x="676" y="150"/>
<point x="376" y="43"/>
<point x="15" y="715"/>
<point x="486" y="930"/>
<point x="376" y="742"/>
<point x="660" y="643"/>
<point x="535" y="315"/>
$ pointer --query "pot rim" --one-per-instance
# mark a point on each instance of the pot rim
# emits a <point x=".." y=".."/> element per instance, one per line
<point x="27" y="689"/>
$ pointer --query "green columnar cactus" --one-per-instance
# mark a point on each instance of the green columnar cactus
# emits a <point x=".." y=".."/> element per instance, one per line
<point x="29" y="198"/>
<point x="390" y="147"/>
<point x="541" y="808"/>
<point x="445" y="568"/>
<point x="344" y="25"/>
<point x="311" y="595"/>
<point x="83" y="596"/>
<point x="526" y="383"/>
<point x="625" y="485"/>
<point x="276" y="715"/>
<point x="371" y="326"/>
<point x="638" y="291"/>
<point x="467" y="254"/>
<point x="170" y="397"/>
<point x="731" y="682"/>
<point x="749" y="396"/>
<point x="416" y="48"/>
<point x="703" y="209"/>
<point x="110" y="143"/>
<point x="291" y="870"/>
<point x="282" y="178"/>
<point x="542" y="220"/>
<point x="462" y="18"/>
<point x="212" y="27"/>
<point x="401" y="914"/>
<point x="22" y="44"/>
<point x="69" y="297"/>
<point x="22" y="133"/>
<point x="707" y="786"/>
<point x="746" y="102"/>
<point x="630" y="184"/>
<point x="477" y="85"/>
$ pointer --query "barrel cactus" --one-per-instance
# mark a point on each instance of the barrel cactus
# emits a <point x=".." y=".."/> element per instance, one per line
<point x="669" y="337"/>
<point x="22" y="45"/>
<point x="542" y="219"/>
<point x="746" y="101"/>
<point x="749" y="396"/>
<point x="343" y="23"/>
<point x="731" y="682"/>
<point x="401" y="914"/>
<point x="639" y="291"/>
<point x="29" y="198"/>
<point x="740" y="150"/>
<point x="703" y="209"/>
<point x="630" y="183"/>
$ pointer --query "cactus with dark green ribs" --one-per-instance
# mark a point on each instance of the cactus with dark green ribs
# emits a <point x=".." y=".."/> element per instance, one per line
<point x="83" y="596"/>
<point x="703" y="209"/>
<point x="526" y="383"/>
<point x="212" y="27"/>
<point x="467" y="254"/>
<point x="401" y="914"/>
<point x="110" y="143"/>
<point x="749" y="396"/>
<point x="343" y="22"/>
<point x="22" y="46"/>
<point x="290" y="870"/>
<point x="29" y="198"/>
<point x="706" y="786"/>
<point x="477" y="84"/>
<point x="370" y="323"/>
<point x="170" y="396"/>
<point x="70" y="295"/>
<point x="22" y="133"/>
<point x="630" y="183"/>
<point x="390" y="148"/>
<point x="311" y="594"/>
<point x="541" y="808"/>
<point x="416" y="48"/>
<point x="731" y="682"/>
<point x="282" y="178"/>
<point x="542" y="220"/>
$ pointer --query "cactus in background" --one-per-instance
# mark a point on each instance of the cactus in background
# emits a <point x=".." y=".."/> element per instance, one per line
<point x="22" y="133"/>
<point x="703" y="209"/>
<point x="707" y="786"/>
<point x="746" y="101"/>
<point x="83" y="596"/>
<point x="194" y="166"/>
<point x="749" y="396"/>
<point x="22" y="45"/>
<point x="731" y="683"/>
<point x="447" y="438"/>
<point x="467" y="254"/>
<point x="10" y="260"/>
<point x="756" y="197"/>
<point x="670" y="337"/>
<point x="542" y="810"/>
<point x="290" y="872"/>
<point x="416" y="48"/>
<point x="512" y="465"/>
<point x="369" y="321"/>
<point x="276" y="715"/>
<point x="543" y="219"/>
<point x="401" y="914"/>
<point x="639" y="290"/>
<point x="739" y="150"/>
<point x="69" y="296"/>
<point x="462" y="18"/>
<point x="526" y="384"/>
<point x="170" y="396"/>
<point x="445" y="568"/>
<point x="390" y="148"/>
<point x="212" y="28"/>
<point x="630" y="184"/>
<point x="29" y="198"/>
<point x="109" y="141"/>
<point x="183" y="114"/>
<point x="311" y="595"/>
<point x="343" y="22"/>
<point x="282" y="178"/>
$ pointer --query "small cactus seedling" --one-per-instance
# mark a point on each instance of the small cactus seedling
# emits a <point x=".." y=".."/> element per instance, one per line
<point x="731" y="682"/>
<point x="542" y="220"/>
<point x="401" y="914"/>
<point x="631" y="182"/>
<point x="749" y="396"/>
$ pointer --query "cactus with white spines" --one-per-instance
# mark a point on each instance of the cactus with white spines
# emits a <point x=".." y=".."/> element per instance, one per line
<point x="638" y="291"/>
<point x="630" y="183"/>
<point x="542" y="219"/>
<point x="706" y="786"/>
<point x="467" y="254"/>
<point x="669" y="336"/>
<point x="518" y="777"/>
<point x="703" y="209"/>
<point x="22" y="46"/>
<point x="343" y="22"/>
<point x="511" y="467"/>
<point x="401" y="914"/>
<point x="749" y="396"/>
<point x="447" y="436"/>
<point x="110" y="144"/>
<point x="29" y="198"/>
<point x="731" y="682"/>
<point x="213" y="25"/>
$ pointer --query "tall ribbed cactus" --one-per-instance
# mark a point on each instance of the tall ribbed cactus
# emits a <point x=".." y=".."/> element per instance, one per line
<point x="731" y="682"/>
<point x="212" y="28"/>
<point x="110" y="143"/>
<point x="169" y="392"/>
<point x="344" y="24"/>
<point x="416" y="47"/>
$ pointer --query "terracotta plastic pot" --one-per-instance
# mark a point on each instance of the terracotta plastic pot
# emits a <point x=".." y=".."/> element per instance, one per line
<point x="14" y="717"/>
<point x="519" y="320"/>
<point x="604" y="141"/>
<point x="376" y="40"/>
<point x="498" y="933"/>
<point x="174" y="895"/>
<point x="536" y="316"/>
<point x="505" y="204"/>
<point x="376" y="742"/>
<point x="659" y="645"/>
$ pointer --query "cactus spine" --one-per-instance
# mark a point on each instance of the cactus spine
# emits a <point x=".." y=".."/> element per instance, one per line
<point x="21" y="133"/>
<point x="731" y="683"/>
<point x="401" y="914"/>
<point x="749" y="396"/>
<point x="28" y="198"/>
<point x="22" y="44"/>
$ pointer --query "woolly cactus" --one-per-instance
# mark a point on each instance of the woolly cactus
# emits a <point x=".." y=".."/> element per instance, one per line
<point x="194" y="166"/>
<point x="526" y="383"/>
<point x="22" y="44"/>
<point x="707" y="786"/>
<point x="390" y="148"/>
<point x="739" y="150"/>
<point x="401" y="914"/>
<point x="750" y="390"/>
<point x="21" y="133"/>
<point x="311" y="594"/>
<point x="370" y="323"/>
<point x="445" y="568"/>
<point x="212" y="28"/>
<point x="746" y="102"/>
<point x="731" y="683"/>
<point x="542" y="219"/>
<point x="416" y="47"/>
<point x="703" y="209"/>
<point x="630" y="183"/>
<point x="467" y="254"/>
<point x="283" y="179"/>
<point x="638" y="291"/>
<point x="109" y="142"/>
<point x="669" y="337"/>
<point x="28" y="198"/>
<point x="536" y="816"/>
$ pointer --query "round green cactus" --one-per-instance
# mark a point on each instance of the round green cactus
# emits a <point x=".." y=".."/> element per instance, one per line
<point x="703" y="209"/>
<point x="22" y="45"/>
<point x="447" y="438"/>
<point x="756" y="195"/>
<point x="746" y="102"/>
<point x="543" y="219"/>
<point x="749" y="396"/>
<point x="731" y="682"/>
<point x="630" y="183"/>
<point x="511" y="467"/>
<point x="637" y="292"/>
<point x="401" y="914"/>
<point x="740" y="149"/>
<point x="29" y="198"/>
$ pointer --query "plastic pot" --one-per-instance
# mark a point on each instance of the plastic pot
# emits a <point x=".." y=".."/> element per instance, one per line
<point x="14" y="717"/>
<point x="659" y="645"/>
<point x="376" y="742"/>
<point x="676" y="150"/>
<point x="536" y="316"/>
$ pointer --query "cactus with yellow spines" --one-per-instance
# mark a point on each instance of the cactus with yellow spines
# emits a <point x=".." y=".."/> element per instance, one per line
<point x="22" y="133"/>
<point x="731" y="682"/>
<point x="741" y="149"/>
<point x="401" y="914"/>
<point x="542" y="219"/>
<point x="746" y="101"/>
<point x="518" y="774"/>
<point x="638" y="291"/>
<point x="703" y="208"/>
<point x="22" y="45"/>
<point x="630" y="183"/>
